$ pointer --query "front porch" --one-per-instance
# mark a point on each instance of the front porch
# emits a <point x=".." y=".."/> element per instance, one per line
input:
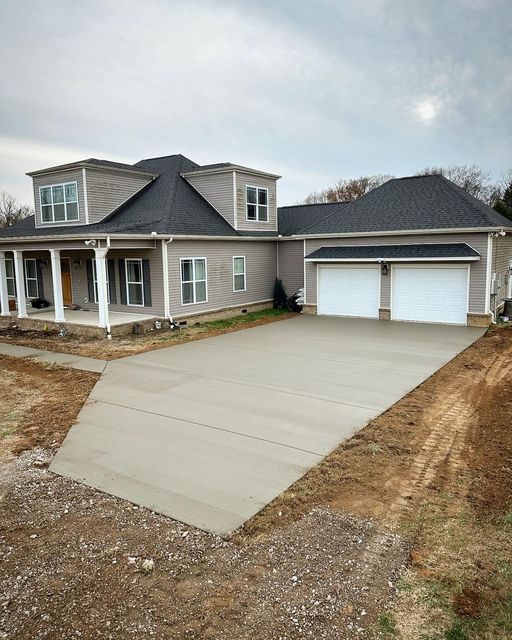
<point x="99" y="287"/>
<point x="87" y="318"/>
<point x="78" y="322"/>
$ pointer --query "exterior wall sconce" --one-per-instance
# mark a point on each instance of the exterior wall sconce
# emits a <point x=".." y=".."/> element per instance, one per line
<point x="77" y="264"/>
<point x="384" y="268"/>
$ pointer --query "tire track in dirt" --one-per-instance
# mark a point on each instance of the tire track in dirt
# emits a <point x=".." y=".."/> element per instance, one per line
<point x="442" y="458"/>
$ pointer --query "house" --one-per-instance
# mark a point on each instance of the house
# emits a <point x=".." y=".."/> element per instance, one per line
<point x="111" y="244"/>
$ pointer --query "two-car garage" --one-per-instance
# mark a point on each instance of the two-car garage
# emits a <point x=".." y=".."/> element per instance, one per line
<point x="415" y="283"/>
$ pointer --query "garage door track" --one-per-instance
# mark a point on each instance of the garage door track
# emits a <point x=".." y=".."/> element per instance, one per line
<point x="211" y="431"/>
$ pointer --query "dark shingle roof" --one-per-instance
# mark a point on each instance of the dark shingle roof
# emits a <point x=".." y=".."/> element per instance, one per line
<point x="168" y="205"/>
<point x="294" y="218"/>
<point x="390" y="252"/>
<point x="89" y="162"/>
<point x="204" y="167"/>
<point x="415" y="203"/>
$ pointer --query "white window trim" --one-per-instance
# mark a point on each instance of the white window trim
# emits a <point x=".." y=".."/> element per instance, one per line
<point x="128" y="282"/>
<point x="32" y="279"/>
<point x="251" y="186"/>
<point x="239" y="274"/>
<point x="194" y="258"/>
<point x="65" y="221"/>
<point x="12" y="278"/>
<point x="95" y="283"/>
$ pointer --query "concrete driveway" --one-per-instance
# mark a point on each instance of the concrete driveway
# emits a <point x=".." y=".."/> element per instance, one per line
<point x="211" y="431"/>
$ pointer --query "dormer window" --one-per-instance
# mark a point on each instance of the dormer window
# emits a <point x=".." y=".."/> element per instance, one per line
<point x="59" y="203"/>
<point x="257" y="204"/>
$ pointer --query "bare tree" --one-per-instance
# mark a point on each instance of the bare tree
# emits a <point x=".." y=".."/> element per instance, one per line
<point x="12" y="211"/>
<point x="315" y="197"/>
<point x="347" y="190"/>
<point x="471" y="178"/>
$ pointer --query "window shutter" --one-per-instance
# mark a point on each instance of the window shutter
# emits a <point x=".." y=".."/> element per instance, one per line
<point x="122" y="281"/>
<point x="90" y="280"/>
<point x="112" y="281"/>
<point x="146" y="279"/>
<point x="39" y="272"/>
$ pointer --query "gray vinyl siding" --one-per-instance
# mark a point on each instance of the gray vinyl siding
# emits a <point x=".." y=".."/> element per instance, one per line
<point x="80" y="286"/>
<point x="107" y="189"/>
<point x="260" y="261"/>
<point x="46" y="271"/>
<point x="291" y="264"/>
<point x="501" y="257"/>
<point x="477" y="270"/>
<point x="60" y="177"/>
<point x="242" y="181"/>
<point x="218" y="190"/>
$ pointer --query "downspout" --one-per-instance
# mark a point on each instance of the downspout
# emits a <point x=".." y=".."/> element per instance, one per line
<point x="165" y="272"/>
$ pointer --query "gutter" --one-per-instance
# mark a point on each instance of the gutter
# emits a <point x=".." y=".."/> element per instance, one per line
<point x="362" y="234"/>
<point x="132" y="236"/>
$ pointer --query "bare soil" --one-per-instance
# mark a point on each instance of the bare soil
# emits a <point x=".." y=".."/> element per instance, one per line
<point x="131" y="344"/>
<point x="402" y="532"/>
<point x="38" y="403"/>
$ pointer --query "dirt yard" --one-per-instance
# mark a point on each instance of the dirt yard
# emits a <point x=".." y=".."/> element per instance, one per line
<point x="130" y="344"/>
<point x="38" y="403"/>
<point x="403" y="532"/>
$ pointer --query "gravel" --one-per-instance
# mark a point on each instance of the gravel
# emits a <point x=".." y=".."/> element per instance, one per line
<point x="80" y="564"/>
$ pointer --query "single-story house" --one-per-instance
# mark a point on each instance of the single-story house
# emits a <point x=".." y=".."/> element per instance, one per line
<point x="111" y="244"/>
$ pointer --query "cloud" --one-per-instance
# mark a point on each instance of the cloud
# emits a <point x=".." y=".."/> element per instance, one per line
<point x="327" y="88"/>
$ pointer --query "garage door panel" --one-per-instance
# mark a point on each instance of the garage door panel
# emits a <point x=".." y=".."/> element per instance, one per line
<point x="349" y="291"/>
<point x="430" y="294"/>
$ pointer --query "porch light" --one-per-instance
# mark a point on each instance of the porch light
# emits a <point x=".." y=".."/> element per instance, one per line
<point x="77" y="264"/>
<point x="384" y="268"/>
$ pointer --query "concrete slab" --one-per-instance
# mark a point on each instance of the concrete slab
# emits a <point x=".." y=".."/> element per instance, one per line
<point x="211" y="431"/>
<point x="53" y="357"/>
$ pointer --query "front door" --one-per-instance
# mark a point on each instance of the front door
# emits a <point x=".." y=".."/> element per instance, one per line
<point x="65" y="274"/>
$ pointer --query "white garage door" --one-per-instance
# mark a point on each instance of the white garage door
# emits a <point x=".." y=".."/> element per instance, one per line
<point x="349" y="291"/>
<point x="430" y="294"/>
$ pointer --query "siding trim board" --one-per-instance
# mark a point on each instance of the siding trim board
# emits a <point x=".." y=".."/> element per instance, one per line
<point x="86" y="205"/>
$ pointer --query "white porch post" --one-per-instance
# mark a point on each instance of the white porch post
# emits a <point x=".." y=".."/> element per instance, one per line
<point x="58" y="300"/>
<point x="21" y="296"/>
<point x="4" y="295"/>
<point x="101" y="276"/>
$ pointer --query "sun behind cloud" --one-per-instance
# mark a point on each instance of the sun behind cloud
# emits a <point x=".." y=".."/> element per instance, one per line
<point x="427" y="110"/>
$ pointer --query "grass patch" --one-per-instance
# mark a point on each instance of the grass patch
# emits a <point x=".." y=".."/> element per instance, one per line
<point x="387" y="625"/>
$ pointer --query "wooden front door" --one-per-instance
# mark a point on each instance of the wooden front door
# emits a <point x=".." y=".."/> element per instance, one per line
<point x="65" y="274"/>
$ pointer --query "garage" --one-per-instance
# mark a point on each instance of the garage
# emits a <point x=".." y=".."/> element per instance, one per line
<point x="349" y="290"/>
<point x="430" y="294"/>
<point x="427" y="282"/>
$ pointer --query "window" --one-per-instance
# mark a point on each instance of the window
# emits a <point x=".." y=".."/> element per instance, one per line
<point x="193" y="280"/>
<point x="239" y="283"/>
<point x="31" y="278"/>
<point x="11" y="282"/>
<point x="59" y="203"/>
<point x="134" y="283"/>
<point x="257" y="204"/>
<point x="95" y="283"/>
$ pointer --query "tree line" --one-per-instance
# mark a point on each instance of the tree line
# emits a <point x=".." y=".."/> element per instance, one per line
<point x="473" y="179"/>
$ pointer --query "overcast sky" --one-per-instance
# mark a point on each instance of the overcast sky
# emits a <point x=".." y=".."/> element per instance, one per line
<point x="312" y="90"/>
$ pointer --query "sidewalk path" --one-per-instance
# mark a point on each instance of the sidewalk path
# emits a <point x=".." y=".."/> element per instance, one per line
<point x="64" y="359"/>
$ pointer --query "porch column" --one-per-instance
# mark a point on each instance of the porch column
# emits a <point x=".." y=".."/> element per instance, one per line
<point x="58" y="300"/>
<point x="101" y="276"/>
<point x="21" y="296"/>
<point x="4" y="295"/>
